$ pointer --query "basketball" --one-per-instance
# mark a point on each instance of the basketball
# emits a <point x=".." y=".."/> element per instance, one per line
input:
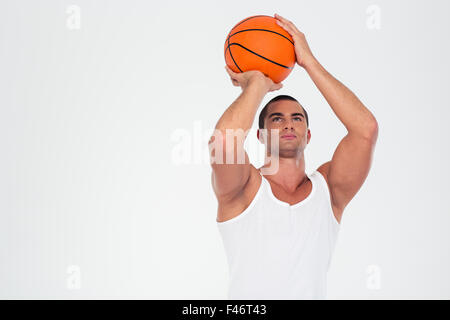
<point x="259" y="43"/>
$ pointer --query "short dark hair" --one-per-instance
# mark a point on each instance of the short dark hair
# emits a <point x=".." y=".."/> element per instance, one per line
<point x="263" y="112"/>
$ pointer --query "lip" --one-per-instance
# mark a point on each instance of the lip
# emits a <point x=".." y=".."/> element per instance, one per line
<point x="288" y="136"/>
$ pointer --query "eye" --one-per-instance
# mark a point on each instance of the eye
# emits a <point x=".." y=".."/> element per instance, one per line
<point x="275" y="119"/>
<point x="298" y="118"/>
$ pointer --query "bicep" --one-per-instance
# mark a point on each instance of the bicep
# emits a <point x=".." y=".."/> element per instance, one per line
<point x="230" y="169"/>
<point x="349" y="167"/>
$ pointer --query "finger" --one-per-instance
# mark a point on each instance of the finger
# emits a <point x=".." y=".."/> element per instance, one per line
<point x="280" y="23"/>
<point x="287" y="24"/>
<point x="230" y="73"/>
<point x="235" y="82"/>
<point x="280" y="17"/>
<point x="277" y="86"/>
<point x="286" y="27"/>
<point x="293" y="27"/>
<point x="232" y="78"/>
<point x="229" y="70"/>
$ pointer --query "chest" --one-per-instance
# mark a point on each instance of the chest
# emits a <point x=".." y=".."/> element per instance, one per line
<point x="291" y="198"/>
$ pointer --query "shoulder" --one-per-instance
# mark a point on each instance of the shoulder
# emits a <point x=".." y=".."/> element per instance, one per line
<point x="323" y="170"/>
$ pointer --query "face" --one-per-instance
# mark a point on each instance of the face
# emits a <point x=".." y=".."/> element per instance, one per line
<point x="288" y="118"/>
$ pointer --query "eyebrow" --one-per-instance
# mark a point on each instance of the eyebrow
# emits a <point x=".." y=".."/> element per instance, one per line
<point x="280" y="114"/>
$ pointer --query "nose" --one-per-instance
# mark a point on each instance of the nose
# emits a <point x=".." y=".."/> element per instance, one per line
<point x="289" y="124"/>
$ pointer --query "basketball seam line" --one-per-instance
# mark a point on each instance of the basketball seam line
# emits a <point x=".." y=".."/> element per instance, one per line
<point x="229" y="49"/>
<point x="231" y="55"/>
<point x="259" y="30"/>
<point x="237" y="44"/>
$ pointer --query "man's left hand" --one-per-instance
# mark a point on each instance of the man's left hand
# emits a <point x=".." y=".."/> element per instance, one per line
<point x="303" y="53"/>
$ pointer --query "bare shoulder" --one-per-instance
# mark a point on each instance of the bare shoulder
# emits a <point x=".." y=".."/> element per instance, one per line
<point x="323" y="169"/>
<point x="232" y="207"/>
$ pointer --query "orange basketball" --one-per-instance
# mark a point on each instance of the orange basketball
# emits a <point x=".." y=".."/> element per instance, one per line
<point x="259" y="43"/>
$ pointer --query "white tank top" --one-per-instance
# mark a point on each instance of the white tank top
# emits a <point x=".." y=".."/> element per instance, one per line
<point x="280" y="251"/>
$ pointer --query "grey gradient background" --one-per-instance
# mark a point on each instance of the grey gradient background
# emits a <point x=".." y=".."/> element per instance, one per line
<point x="90" y="122"/>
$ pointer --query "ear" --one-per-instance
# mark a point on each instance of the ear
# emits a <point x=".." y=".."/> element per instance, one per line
<point x="258" y="135"/>
<point x="308" y="136"/>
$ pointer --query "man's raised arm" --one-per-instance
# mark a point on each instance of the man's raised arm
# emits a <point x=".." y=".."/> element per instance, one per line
<point x="229" y="161"/>
<point x="351" y="161"/>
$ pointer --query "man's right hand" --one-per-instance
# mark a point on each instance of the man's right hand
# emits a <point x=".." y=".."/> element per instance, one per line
<point x="243" y="79"/>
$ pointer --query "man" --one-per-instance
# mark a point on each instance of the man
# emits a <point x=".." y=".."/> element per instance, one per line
<point x="279" y="229"/>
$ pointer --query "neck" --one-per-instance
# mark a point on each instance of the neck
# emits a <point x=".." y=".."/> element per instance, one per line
<point x="291" y="172"/>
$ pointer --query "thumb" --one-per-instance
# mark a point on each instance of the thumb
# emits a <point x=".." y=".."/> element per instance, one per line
<point x="278" y="86"/>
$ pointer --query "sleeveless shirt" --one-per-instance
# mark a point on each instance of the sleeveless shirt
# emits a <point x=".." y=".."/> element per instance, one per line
<point x="276" y="250"/>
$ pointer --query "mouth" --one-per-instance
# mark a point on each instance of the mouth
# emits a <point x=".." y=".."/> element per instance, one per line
<point x="288" y="136"/>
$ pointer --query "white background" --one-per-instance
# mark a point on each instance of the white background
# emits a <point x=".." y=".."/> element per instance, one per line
<point x="90" y="127"/>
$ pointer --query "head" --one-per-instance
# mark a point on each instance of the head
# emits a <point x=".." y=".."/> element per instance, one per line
<point x="285" y="114"/>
